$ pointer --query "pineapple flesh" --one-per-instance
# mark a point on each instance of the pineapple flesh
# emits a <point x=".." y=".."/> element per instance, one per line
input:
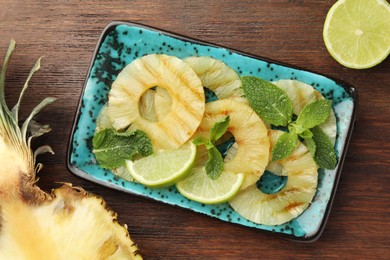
<point x="251" y="136"/>
<point x="67" y="223"/>
<point x="180" y="82"/>
<point x="216" y="76"/>
<point x="288" y="203"/>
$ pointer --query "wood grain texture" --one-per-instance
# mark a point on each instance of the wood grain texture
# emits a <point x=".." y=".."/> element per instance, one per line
<point x="66" y="33"/>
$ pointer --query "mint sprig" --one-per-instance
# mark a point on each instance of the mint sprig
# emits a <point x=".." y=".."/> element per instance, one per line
<point x="273" y="105"/>
<point x="325" y="155"/>
<point x="284" y="146"/>
<point x="112" y="148"/>
<point x="314" y="113"/>
<point x="214" y="164"/>
<point x="267" y="100"/>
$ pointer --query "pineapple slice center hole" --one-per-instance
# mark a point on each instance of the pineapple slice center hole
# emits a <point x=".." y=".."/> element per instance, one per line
<point x="155" y="104"/>
<point x="227" y="146"/>
<point x="209" y="95"/>
<point x="271" y="183"/>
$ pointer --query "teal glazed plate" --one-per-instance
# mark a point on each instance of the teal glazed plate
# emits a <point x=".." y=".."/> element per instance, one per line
<point x="123" y="42"/>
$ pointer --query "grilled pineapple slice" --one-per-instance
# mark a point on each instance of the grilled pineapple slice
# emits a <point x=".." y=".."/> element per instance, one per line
<point x="251" y="136"/>
<point x="288" y="203"/>
<point x="302" y="94"/>
<point x="216" y="76"/>
<point x="181" y="83"/>
<point x="67" y="223"/>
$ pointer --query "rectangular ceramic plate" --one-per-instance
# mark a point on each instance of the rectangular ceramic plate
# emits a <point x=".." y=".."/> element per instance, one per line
<point x="122" y="42"/>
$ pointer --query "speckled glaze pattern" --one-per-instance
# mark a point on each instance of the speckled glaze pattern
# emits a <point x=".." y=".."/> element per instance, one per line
<point x="121" y="43"/>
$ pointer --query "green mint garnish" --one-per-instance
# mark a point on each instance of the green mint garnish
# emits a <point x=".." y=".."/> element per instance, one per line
<point x="214" y="164"/>
<point x="284" y="146"/>
<point x="311" y="145"/>
<point x="112" y="148"/>
<point x="267" y="100"/>
<point x="273" y="105"/>
<point x="200" y="140"/>
<point x="314" y="113"/>
<point x="325" y="155"/>
<point x="219" y="129"/>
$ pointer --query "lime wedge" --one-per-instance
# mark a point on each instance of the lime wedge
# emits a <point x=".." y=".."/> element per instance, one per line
<point x="198" y="186"/>
<point x="163" y="168"/>
<point x="357" y="32"/>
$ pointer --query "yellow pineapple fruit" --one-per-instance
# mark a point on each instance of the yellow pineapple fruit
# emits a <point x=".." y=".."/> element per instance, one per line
<point x="181" y="83"/>
<point x="289" y="202"/>
<point x="67" y="223"/>
<point x="216" y="76"/>
<point x="251" y="136"/>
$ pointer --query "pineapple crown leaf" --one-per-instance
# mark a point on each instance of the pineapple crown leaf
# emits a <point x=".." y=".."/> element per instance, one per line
<point x="15" y="109"/>
<point x="9" y="127"/>
<point x="6" y="118"/>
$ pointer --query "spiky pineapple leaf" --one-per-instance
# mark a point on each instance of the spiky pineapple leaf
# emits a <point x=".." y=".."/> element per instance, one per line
<point x="112" y="148"/>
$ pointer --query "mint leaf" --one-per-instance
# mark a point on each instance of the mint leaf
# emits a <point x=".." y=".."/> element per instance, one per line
<point x="284" y="146"/>
<point x="306" y="134"/>
<point x="214" y="164"/>
<point x="200" y="140"/>
<point x="267" y="100"/>
<point x="293" y="127"/>
<point x="311" y="145"/>
<point x="325" y="155"/>
<point x="112" y="148"/>
<point x="314" y="113"/>
<point x="219" y="129"/>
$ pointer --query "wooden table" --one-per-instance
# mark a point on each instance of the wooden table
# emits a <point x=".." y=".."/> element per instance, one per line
<point x="66" y="33"/>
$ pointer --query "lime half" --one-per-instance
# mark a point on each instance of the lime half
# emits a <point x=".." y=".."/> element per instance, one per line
<point x="163" y="168"/>
<point x="198" y="186"/>
<point x="357" y="32"/>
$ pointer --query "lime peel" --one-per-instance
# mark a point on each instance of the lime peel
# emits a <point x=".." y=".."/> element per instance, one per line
<point x="163" y="168"/>
<point x="198" y="186"/>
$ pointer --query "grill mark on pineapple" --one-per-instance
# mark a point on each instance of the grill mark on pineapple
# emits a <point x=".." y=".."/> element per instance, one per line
<point x="292" y="206"/>
<point x="168" y="65"/>
<point x="181" y="76"/>
<point x="280" y="194"/>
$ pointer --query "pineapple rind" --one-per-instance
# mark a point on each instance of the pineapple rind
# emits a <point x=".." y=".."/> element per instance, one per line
<point x="72" y="225"/>
<point x="69" y="223"/>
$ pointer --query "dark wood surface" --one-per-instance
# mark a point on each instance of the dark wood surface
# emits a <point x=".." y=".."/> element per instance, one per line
<point x="66" y="33"/>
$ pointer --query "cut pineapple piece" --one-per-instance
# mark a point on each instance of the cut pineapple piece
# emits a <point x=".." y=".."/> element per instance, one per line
<point x="216" y="76"/>
<point x="288" y="203"/>
<point x="302" y="94"/>
<point x="72" y="224"/>
<point x="102" y="120"/>
<point x="69" y="223"/>
<point x="181" y="83"/>
<point x="251" y="136"/>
